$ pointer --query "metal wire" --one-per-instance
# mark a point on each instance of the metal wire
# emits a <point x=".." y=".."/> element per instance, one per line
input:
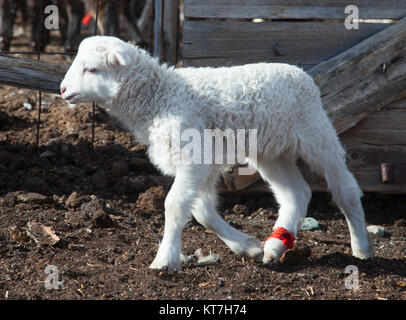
<point x="38" y="37"/>
<point x="38" y="53"/>
<point x="97" y="17"/>
<point x="94" y="104"/>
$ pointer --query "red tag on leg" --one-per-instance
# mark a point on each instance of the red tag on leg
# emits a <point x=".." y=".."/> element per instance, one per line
<point x="284" y="235"/>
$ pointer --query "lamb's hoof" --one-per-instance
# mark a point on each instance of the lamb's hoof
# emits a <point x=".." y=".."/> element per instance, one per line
<point x="161" y="264"/>
<point x="270" y="260"/>
<point x="253" y="250"/>
<point x="273" y="251"/>
<point x="363" y="255"/>
<point x="366" y="251"/>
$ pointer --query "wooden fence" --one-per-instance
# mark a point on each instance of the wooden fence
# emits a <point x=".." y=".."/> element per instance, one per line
<point x="360" y="71"/>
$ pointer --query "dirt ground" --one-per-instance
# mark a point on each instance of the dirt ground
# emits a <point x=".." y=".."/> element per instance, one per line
<point x="101" y="212"/>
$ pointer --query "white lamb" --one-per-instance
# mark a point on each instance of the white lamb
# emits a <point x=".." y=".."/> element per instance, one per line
<point x="279" y="100"/>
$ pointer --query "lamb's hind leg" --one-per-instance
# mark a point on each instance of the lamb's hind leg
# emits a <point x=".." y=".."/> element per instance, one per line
<point x="347" y="194"/>
<point x="324" y="153"/>
<point x="204" y="211"/>
<point x="293" y="195"/>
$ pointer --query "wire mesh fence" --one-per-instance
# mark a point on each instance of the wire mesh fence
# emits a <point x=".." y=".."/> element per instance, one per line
<point x="39" y="50"/>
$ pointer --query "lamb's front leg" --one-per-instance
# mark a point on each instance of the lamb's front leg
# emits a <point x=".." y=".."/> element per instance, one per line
<point x="177" y="213"/>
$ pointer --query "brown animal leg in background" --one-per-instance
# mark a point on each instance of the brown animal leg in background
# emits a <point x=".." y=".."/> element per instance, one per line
<point x="75" y="11"/>
<point x="8" y="12"/>
<point x="40" y="35"/>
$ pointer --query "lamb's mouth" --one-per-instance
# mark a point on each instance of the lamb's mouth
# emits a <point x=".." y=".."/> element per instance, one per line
<point x="71" y="97"/>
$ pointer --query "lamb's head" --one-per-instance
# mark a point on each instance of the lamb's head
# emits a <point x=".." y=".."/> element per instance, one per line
<point x="97" y="70"/>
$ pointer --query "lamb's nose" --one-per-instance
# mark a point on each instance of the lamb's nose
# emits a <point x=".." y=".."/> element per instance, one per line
<point x="63" y="89"/>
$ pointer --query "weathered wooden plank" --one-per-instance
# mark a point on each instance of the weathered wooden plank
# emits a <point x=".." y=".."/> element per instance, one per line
<point x="299" y="43"/>
<point x="385" y="127"/>
<point x="365" y="78"/>
<point x="292" y="9"/>
<point x="400" y="104"/>
<point x="31" y="74"/>
<point x="227" y="62"/>
<point x="246" y="30"/>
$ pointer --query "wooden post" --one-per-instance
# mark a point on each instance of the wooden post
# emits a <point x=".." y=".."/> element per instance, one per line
<point x="158" y="29"/>
<point x="170" y="30"/>
<point x="166" y="30"/>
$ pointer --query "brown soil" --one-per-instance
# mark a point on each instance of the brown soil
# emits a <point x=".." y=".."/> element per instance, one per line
<point x="104" y="218"/>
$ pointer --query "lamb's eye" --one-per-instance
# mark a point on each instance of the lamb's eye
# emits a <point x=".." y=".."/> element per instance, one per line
<point x="90" y="70"/>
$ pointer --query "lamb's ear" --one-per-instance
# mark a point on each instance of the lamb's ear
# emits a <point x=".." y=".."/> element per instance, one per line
<point x="117" y="57"/>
